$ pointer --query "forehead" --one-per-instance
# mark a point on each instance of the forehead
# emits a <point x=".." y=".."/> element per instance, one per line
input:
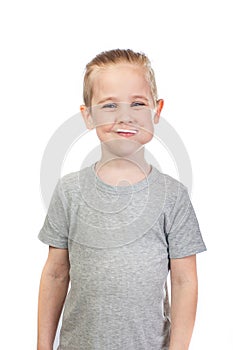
<point x="120" y="80"/>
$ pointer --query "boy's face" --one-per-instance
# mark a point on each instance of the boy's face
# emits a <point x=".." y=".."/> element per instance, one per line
<point x="122" y="101"/>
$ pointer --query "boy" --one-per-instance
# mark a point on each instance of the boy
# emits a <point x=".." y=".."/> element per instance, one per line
<point x="116" y="228"/>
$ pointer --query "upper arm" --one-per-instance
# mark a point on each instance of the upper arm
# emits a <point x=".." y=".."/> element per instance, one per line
<point x="183" y="270"/>
<point x="181" y="226"/>
<point x="57" y="264"/>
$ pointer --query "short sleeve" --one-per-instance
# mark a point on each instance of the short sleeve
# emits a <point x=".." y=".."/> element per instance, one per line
<point x="54" y="231"/>
<point x="183" y="233"/>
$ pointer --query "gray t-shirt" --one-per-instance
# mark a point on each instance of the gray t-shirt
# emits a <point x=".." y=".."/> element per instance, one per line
<point x="120" y="241"/>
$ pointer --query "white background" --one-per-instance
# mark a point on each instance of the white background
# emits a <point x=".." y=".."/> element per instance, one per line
<point x="44" y="48"/>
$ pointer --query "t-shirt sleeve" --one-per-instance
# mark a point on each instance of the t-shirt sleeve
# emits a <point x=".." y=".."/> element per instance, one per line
<point x="54" y="231"/>
<point x="183" y="232"/>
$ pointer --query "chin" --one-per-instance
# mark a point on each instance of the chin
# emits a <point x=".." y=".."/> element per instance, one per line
<point x="123" y="148"/>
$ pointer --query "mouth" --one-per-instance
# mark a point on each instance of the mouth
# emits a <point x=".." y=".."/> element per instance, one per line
<point x="126" y="132"/>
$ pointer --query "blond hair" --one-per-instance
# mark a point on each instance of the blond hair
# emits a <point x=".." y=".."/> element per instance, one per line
<point x="107" y="58"/>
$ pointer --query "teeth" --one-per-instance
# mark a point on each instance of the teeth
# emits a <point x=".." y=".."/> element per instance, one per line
<point x="125" y="130"/>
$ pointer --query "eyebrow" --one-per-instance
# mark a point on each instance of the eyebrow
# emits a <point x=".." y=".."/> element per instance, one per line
<point x="110" y="98"/>
<point x="114" y="99"/>
<point x="141" y="97"/>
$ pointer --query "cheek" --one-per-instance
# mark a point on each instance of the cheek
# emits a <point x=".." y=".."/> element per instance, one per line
<point x="148" y="132"/>
<point x="103" y="129"/>
<point x="146" y="137"/>
<point x="103" y="120"/>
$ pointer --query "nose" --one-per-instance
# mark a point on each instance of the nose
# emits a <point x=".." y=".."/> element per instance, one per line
<point x="124" y="115"/>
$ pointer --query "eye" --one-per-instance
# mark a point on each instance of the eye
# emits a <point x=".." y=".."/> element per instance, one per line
<point x="138" y="105"/>
<point x="109" y="106"/>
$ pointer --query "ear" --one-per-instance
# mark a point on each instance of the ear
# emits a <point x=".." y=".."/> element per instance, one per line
<point x="159" y="108"/>
<point x="87" y="117"/>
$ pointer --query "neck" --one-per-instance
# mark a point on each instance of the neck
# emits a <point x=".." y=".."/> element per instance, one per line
<point x="134" y="163"/>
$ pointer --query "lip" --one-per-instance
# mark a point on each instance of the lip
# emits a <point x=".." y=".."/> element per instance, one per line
<point x="130" y="131"/>
<point x="126" y="132"/>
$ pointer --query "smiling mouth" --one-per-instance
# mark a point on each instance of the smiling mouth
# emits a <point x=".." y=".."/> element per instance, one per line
<point x="126" y="132"/>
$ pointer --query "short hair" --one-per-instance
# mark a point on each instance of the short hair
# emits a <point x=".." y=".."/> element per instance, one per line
<point x="111" y="57"/>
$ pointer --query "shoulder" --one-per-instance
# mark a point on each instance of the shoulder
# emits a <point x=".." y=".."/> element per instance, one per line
<point x="171" y="184"/>
<point x="71" y="183"/>
<point x="174" y="189"/>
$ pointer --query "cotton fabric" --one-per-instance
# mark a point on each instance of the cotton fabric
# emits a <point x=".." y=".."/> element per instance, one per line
<point x="120" y="241"/>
